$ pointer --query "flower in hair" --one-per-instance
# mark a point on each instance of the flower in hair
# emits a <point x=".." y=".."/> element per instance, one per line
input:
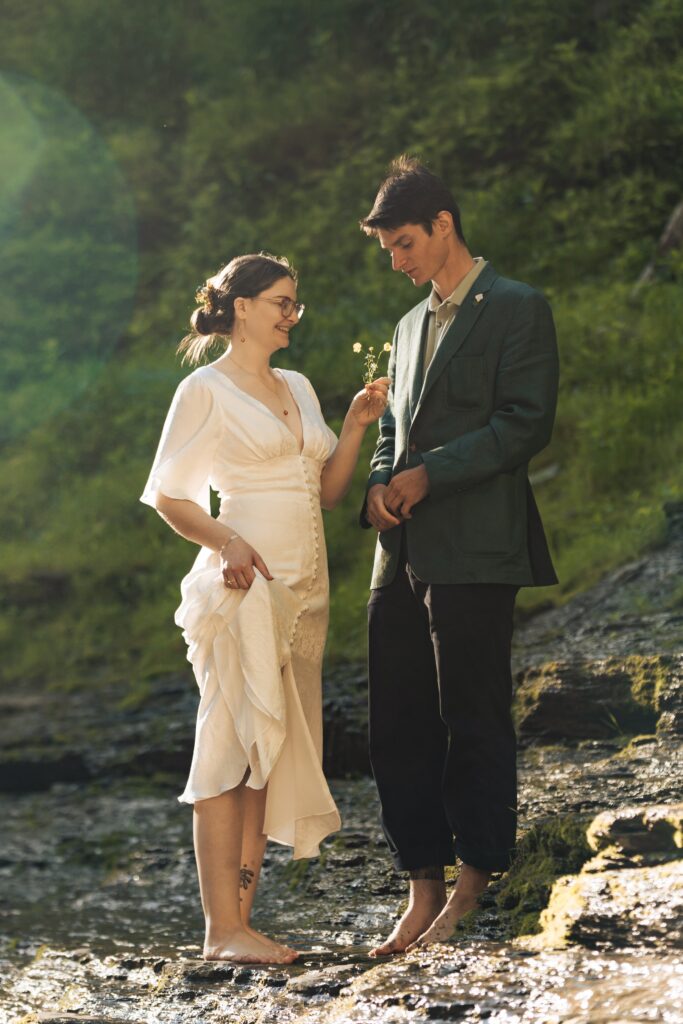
<point x="207" y="296"/>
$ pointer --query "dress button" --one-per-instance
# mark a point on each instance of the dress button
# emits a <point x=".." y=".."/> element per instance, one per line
<point x="412" y="447"/>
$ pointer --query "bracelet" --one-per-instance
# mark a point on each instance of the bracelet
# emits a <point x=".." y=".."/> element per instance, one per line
<point x="228" y="541"/>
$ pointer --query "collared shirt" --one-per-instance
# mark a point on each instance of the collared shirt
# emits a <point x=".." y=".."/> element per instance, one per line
<point x="442" y="312"/>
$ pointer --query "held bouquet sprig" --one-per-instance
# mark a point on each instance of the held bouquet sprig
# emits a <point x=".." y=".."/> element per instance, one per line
<point x="371" y="359"/>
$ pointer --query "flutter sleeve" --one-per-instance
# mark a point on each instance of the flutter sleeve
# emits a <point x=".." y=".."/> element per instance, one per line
<point x="182" y="465"/>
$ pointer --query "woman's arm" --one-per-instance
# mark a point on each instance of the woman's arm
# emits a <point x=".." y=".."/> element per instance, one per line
<point x="238" y="559"/>
<point x="338" y="470"/>
<point x="366" y="408"/>
<point x="192" y="522"/>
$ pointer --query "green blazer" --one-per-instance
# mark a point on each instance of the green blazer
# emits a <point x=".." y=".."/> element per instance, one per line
<point x="486" y="407"/>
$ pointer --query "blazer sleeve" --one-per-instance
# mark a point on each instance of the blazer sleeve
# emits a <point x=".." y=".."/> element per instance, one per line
<point x="525" y="399"/>
<point x="382" y="462"/>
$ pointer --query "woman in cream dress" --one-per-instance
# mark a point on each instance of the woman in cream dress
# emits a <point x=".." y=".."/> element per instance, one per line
<point x="255" y="603"/>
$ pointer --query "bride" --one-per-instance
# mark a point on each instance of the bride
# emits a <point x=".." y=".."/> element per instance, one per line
<point x="254" y="606"/>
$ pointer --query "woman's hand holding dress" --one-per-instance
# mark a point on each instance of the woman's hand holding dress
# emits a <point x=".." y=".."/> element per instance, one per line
<point x="238" y="561"/>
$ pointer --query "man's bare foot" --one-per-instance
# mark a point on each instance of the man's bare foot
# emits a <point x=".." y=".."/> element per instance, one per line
<point x="242" y="947"/>
<point x="464" y="898"/>
<point x="427" y="898"/>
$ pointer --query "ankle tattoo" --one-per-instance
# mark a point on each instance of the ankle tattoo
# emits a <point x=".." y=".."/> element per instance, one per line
<point x="434" y="873"/>
<point x="246" y="877"/>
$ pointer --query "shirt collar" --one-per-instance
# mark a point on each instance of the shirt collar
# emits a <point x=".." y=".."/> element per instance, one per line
<point x="459" y="293"/>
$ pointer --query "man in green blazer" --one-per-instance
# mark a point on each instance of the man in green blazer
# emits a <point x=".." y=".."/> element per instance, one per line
<point x="474" y="373"/>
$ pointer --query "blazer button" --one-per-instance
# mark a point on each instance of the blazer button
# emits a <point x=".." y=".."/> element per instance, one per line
<point x="412" y="447"/>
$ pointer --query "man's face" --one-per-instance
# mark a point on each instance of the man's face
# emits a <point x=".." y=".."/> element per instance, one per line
<point x="415" y="253"/>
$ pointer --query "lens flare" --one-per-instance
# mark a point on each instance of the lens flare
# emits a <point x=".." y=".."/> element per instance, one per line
<point x="68" y="258"/>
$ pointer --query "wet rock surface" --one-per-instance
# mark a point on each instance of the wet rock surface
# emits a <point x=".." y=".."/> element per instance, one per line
<point x="98" y="893"/>
<point x="630" y="835"/>
<point x="579" y="699"/>
<point x="634" y="908"/>
<point x="51" y="738"/>
<point x="631" y="893"/>
<point x="636" y="609"/>
<point x="345" y="717"/>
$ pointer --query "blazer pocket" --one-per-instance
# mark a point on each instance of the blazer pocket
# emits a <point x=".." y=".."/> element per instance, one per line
<point x="466" y="382"/>
<point x="490" y="518"/>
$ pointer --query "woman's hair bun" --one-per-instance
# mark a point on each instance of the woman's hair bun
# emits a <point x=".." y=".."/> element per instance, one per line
<point x="201" y="322"/>
<point x="208" y="297"/>
<point x="210" y="318"/>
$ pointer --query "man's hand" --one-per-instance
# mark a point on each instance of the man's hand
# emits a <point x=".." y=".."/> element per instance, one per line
<point x="377" y="511"/>
<point x="405" y="490"/>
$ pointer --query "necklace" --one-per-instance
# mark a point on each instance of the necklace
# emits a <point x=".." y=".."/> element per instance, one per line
<point x="250" y="373"/>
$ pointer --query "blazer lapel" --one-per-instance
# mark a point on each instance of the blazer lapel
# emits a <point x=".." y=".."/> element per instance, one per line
<point x="475" y="302"/>
<point x="417" y="346"/>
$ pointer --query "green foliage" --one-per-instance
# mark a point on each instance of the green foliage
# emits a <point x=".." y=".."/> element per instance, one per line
<point x="618" y="443"/>
<point x="268" y="126"/>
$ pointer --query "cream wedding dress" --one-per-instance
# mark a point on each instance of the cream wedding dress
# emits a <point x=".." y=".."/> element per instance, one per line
<point x="256" y="654"/>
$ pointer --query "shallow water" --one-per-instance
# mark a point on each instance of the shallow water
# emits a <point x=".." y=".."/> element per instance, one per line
<point x="101" y="918"/>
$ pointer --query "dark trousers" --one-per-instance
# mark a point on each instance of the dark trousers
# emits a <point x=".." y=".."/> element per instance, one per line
<point x="442" y="742"/>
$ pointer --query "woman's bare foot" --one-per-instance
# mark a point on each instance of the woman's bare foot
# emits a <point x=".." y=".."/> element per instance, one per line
<point x="464" y="898"/>
<point x="427" y="899"/>
<point x="242" y="947"/>
<point x="271" y="943"/>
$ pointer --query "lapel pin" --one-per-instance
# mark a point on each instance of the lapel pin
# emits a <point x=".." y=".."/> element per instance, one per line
<point x="479" y="297"/>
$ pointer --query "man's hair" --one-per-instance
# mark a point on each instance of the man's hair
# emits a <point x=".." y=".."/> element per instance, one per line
<point x="411" y="194"/>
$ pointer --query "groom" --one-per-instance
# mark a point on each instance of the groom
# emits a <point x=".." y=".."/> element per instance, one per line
<point x="474" y="372"/>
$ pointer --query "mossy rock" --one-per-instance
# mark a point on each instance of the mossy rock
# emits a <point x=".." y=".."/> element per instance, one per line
<point x="600" y="699"/>
<point x="637" y="831"/>
<point x="547" y="851"/>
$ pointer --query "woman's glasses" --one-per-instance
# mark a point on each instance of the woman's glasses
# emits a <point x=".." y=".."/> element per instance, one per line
<point x="287" y="306"/>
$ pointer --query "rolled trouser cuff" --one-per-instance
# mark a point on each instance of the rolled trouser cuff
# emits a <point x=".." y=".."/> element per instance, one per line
<point x="484" y="860"/>
<point x="423" y="857"/>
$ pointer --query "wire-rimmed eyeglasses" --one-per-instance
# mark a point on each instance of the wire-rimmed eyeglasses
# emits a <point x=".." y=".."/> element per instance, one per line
<point x="287" y="306"/>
